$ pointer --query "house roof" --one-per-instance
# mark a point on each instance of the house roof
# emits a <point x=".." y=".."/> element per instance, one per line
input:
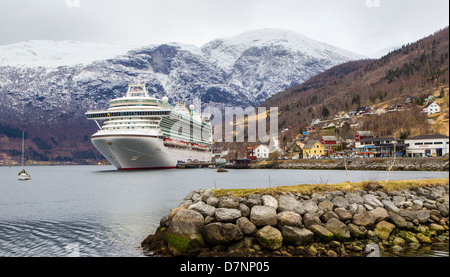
<point x="377" y="139"/>
<point x="434" y="136"/>
<point x="310" y="144"/>
<point x="427" y="105"/>
<point x="365" y="133"/>
<point x="329" y="138"/>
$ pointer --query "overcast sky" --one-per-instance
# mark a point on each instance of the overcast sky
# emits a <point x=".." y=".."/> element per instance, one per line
<point x="361" y="26"/>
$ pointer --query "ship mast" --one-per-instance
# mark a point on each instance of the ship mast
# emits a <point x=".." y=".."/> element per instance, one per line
<point x="23" y="138"/>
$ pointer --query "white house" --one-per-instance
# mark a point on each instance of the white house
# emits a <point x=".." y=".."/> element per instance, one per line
<point x="427" y="146"/>
<point x="261" y="152"/>
<point x="431" y="108"/>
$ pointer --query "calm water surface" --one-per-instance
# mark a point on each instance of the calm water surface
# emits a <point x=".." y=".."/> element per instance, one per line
<point x="99" y="211"/>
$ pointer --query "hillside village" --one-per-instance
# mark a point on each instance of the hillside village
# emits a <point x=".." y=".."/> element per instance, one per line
<point x="350" y="134"/>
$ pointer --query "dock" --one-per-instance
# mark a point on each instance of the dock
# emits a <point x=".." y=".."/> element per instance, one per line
<point x="196" y="165"/>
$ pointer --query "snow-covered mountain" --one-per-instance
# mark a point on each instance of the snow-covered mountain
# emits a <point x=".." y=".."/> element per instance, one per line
<point x="46" y="82"/>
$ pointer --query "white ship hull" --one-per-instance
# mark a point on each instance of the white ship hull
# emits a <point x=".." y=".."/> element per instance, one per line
<point x="130" y="152"/>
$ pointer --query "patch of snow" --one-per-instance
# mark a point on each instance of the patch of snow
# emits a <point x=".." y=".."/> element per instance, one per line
<point x="47" y="53"/>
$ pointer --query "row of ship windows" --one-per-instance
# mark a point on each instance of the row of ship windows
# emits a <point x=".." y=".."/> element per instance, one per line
<point x="134" y="113"/>
<point x="117" y="128"/>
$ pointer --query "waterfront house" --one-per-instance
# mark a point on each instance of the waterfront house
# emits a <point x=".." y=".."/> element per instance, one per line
<point x="251" y="153"/>
<point x="427" y="146"/>
<point x="431" y="108"/>
<point x="261" y="152"/>
<point x="379" y="147"/>
<point x="313" y="149"/>
<point x="363" y="134"/>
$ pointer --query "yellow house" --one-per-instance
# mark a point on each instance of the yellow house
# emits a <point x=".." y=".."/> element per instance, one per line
<point x="313" y="148"/>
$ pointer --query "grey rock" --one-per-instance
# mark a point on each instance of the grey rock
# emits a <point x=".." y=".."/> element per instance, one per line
<point x="228" y="202"/>
<point x="270" y="201"/>
<point x="339" y="229"/>
<point x="340" y="202"/>
<point x="289" y="218"/>
<point x="326" y="206"/>
<point x="363" y="218"/>
<point x="263" y="215"/>
<point x="329" y="215"/>
<point x="212" y="201"/>
<point x="311" y="219"/>
<point x="357" y="232"/>
<point x="269" y="237"/>
<point x="422" y="216"/>
<point x="321" y="232"/>
<point x="225" y="214"/>
<point x="372" y="201"/>
<point x="379" y="214"/>
<point x="388" y="205"/>
<point x="253" y="199"/>
<point x="221" y="233"/>
<point x="407" y="214"/>
<point x="203" y="208"/>
<point x="296" y="236"/>
<point x="354" y="198"/>
<point x="343" y="214"/>
<point x="398" y="220"/>
<point x="246" y="226"/>
<point x="310" y="206"/>
<point x="290" y="203"/>
<point x="188" y="225"/>
<point x="245" y="211"/>
<point x="207" y="194"/>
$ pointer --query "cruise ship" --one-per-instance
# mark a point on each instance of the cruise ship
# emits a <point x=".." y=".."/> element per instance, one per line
<point x="140" y="131"/>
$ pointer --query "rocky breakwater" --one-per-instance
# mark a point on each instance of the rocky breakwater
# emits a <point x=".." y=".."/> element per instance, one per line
<point x="332" y="223"/>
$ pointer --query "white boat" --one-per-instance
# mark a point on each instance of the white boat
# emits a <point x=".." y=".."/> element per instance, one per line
<point x="23" y="174"/>
<point x="140" y="131"/>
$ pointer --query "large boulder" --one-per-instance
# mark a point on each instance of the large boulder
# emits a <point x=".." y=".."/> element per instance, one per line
<point x="221" y="233"/>
<point x="296" y="236"/>
<point x="310" y="206"/>
<point x="339" y="229"/>
<point x="263" y="215"/>
<point x="203" y="208"/>
<point x="372" y="200"/>
<point x="246" y="226"/>
<point x="311" y="219"/>
<point x="290" y="203"/>
<point x="321" y="232"/>
<point x="384" y="229"/>
<point x="423" y="216"/>
<point x="270" y="201"/>
<point x="398" y="220"/>
<point x="363" y="218"/>
<point x="357" y="232"/>
<point x="289" y="218"/>
<point x="184" y="233"/>
<point x="269" y="237"/>
<point x="228" y="202"/>
<point x="343" y="214"/>
<point x="379" y="214"/>
<point x="226" y="214"/>
<point x="340" y="202"/>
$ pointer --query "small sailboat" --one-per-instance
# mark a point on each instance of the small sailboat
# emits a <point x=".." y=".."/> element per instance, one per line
<point x="23" y="175"/>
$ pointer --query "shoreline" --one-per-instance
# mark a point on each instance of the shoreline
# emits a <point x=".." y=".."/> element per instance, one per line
<point x="335" y="220"/>
<point x="370" y="164"/>
<point x="376" y="164"/>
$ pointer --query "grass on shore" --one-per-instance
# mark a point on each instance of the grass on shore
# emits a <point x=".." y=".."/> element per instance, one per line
<point x="308" y="189"/>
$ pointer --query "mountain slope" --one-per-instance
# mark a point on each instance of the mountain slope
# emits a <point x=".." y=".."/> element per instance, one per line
<point x="417" y="69"/>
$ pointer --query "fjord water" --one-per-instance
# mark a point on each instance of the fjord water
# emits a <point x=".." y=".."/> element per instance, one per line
<point x="99" y="211"/>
